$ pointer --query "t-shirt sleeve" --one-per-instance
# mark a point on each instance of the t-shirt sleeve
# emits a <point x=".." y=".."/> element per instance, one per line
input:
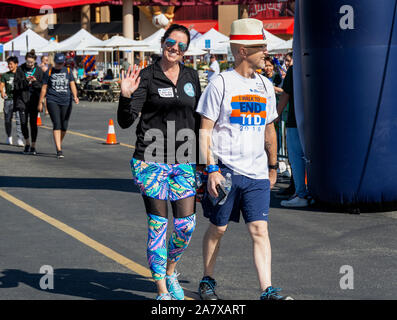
<point x="45" y="77"/>
<point x="210" y="101"/>
<point x="3" y="78"/>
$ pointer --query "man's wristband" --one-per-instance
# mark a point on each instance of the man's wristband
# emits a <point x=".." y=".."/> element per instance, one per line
<point x="274" y="167"/>
<point x="212" y="168"/>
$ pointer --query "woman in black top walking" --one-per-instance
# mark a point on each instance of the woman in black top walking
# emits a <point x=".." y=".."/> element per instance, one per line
<point x="58" y="88"/>
<point x="166" y="94"/>
<point x="27" y="86"/>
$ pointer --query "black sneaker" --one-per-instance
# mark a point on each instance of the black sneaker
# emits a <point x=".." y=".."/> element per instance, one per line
<point x="207" y="289"/>
<point x="33" y="151"/>
<point x="60" y="154"/>
<point x="26" y="150"/>
<point x="273" y="294"/>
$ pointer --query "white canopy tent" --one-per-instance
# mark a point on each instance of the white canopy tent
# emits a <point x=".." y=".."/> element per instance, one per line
<point x="193" y="51"/>
<point x="213" y="41"/>
<point x="119" y="41"/>
<point x="149" y="44"/>
<point x="25" y="42"/>
<point x="50" y="47"/>
<point x="194" y="34"/>
<point x="276" y="44"/>
<point x="80" y="41"/>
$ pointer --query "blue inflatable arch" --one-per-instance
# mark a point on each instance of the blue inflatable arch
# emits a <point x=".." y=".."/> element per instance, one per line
<point x="345" y="88"/>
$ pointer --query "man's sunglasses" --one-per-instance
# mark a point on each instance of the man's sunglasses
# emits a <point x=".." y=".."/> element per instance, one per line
<point x="259" y="46"/>
<point x="169" y="43"/>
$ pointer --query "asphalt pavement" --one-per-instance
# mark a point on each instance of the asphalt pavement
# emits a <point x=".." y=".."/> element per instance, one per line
<point x="84" y="218"/>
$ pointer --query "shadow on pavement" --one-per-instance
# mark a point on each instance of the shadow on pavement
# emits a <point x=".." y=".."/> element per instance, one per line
<point x="126" y="185"/>
<point x="20" y="152"/>
<point x="85" y="283"/>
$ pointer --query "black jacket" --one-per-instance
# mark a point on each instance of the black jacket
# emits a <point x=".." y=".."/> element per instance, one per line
<point x="162" y="104"/>
<point x="27" y="94"/>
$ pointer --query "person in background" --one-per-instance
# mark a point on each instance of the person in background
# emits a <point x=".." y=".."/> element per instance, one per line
<point x="288" y="61"/>
<point x="136" y="58"/>
<point x="125" y="65"/>
<point x="59" y="87"/>
<point x="109" y="75"/>
<point x="27" y="87"/>
<point x="294" y="146"/>
<point x="6" y="89"/>
<point x="44" y="65"/>
<point x="214" y="68"/>
<point x="80" y="71"/>
<point x="272" y="75"/>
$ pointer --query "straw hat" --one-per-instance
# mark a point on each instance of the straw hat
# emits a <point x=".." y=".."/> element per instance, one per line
<point x="248" y="32"/>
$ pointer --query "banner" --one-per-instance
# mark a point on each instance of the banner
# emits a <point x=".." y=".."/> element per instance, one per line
<point x="271" y="10"/>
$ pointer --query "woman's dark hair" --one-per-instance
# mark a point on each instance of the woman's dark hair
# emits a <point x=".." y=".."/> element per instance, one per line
<point x="31" y="54"/>
<point x="270" y="60"/>
<point x="176" y="27"/>
<point x="289" y="54"/>
<point x="109" y="72"/>
<point x="13" y="59"/>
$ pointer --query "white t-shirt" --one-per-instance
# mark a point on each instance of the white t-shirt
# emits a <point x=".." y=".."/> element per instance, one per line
<point x="238" y="137"/>
<point x="214" y="66"/>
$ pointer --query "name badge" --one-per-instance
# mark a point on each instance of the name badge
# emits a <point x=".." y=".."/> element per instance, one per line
<point x="166" y="92"/>
<point x="261" y="87"/>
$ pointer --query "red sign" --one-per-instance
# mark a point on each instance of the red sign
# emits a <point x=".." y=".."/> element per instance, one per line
<point x="271" y="10"/>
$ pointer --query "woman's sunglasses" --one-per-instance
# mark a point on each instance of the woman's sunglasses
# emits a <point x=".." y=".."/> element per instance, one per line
<point x="169" y="43"/>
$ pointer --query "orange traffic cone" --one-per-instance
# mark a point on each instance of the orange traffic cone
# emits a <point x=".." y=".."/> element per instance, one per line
<point x="39" y="123"/>
<point x="111" y="138"/>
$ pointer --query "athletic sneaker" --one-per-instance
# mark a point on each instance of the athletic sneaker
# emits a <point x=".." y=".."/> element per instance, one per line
<point x="164" y="296"/>
<point x="26" y="150"/>
<point x="33" y="151"/>
<point x="273" y="294"/>
<point x="173" y="287"/>
<point x="9" y="140"/>
<point x="60" y="155"/>
<point x="295" y="202"/>
<point x="207" y="289"/>
<point x="20" y="143"/>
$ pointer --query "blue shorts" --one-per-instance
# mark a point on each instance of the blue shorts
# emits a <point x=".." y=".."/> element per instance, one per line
<point x="250" y="196"/>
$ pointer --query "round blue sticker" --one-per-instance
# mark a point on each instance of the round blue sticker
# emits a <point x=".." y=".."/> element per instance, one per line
<point x="189" y="90"/>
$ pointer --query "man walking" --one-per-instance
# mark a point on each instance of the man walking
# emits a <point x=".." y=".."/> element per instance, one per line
<point x="214" y="69"/>
<point x="237" y="112"/>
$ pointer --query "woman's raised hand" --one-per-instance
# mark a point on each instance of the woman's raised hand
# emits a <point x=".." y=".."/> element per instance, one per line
<point x="130" y="81"/>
